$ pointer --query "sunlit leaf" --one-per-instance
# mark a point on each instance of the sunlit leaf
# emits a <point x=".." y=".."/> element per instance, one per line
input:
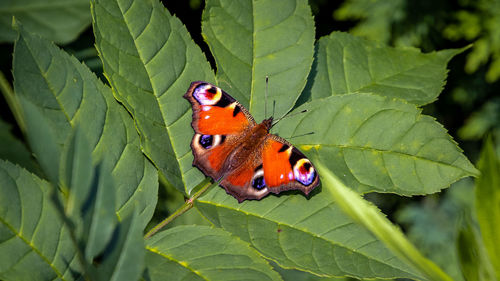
<point x="251" y="40"/>
<point x="312" y="235"/>
<point x="150" y="60"/>
<point x="347" y="64"/>
<point x="378" y="144"/>
<point x="203" y="253"/>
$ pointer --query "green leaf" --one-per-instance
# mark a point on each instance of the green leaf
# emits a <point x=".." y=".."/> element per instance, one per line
<point x="150" y="60"/>
<point x="59" y="21"/>
<point x="474" y="260"/>
<point x="253" y="39"/>
<point x="347" y="64"/>
<point x="15" y="151"/>
<point x="59" y="92"/>
<point x="312" y="235"/>
<point x="203" y="253"/>
<point x="370" y="217"/>
<point x="488" y="202"/>
<point x="32" y="237"/>
<point x="123" y="259"/>
<point x="378" y="144"/>
<point x="42" y="138"/>
<point x="90" y="201"/>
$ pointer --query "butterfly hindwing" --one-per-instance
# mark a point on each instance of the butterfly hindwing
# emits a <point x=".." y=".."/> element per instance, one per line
<point x="286" y="168"/>
<point x="275" y="166"/>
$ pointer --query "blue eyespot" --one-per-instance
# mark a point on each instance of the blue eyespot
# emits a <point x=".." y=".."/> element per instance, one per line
<point x="259" y="182"/>
<point x="206" y="141"/>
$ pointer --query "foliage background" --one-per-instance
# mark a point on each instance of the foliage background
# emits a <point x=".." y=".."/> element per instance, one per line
<point x="469" y="106"/>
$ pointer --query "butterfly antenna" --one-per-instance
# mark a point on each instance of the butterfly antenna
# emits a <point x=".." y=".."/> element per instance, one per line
<point x="274" y="107"/>
<point x="289" y="115"/>
<point x="265" y="99"/>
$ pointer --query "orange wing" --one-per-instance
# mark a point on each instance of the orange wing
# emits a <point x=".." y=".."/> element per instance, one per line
<point x="275" y="167"/>
<point x="286" y="168"/>
<point x="219" y="122"/>
<point x="230" y="146"/>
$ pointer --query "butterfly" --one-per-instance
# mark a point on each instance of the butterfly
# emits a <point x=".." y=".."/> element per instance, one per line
<point x="230" y="147"/>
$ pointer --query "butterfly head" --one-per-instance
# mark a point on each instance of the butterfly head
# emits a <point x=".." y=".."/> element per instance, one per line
<point x="268" y="123"/>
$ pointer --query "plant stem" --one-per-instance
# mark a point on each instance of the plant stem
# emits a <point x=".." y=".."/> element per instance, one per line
<point x="12" y="101"/>
<point x="184" y="208"/>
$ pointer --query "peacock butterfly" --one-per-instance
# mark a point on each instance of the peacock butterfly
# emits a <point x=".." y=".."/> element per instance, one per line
<point x="228" y="145"/>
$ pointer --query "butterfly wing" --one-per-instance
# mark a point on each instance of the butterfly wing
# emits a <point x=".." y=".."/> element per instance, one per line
<point x="277" y="166"/>
<point x="219" y="121"/>
<point x="230" y="146"/>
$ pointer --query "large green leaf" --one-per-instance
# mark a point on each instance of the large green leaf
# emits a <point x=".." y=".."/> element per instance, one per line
<point x="150" y="60"/>
<point x="34" y="245"/>
<point x="253" y="39"/>
<point x="64" y="93"/>
<point x="488" y="203"/>
<point x="311" y="235"/>
<point x="57" y="20"/>
<point x="378" y="144"/>
<point x="203" y="253"/>
<point x="347" y="64"/>
<point x="372" y="219"/>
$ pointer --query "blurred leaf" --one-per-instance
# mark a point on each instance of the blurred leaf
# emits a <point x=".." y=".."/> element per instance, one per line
<point x="90" y="201"/>
<point x="347" y="64"/>
<point x="57" y="20"/>
<point x="15" y="151"/>
<point x="378" y="144"/>
<point x="150" y="60"/>
<point x="375" y="17"/>
<point x="370" y="217"/>
<point x="34" y="245"/>
<point x="432" y="222"/>
<point x="481" y="121"/>
<point x="123" y="258"/>
<point x="488" y="202"/>
<point x="42" y="139"/>
<point x="203" y="253"/>
<point x="473" y="258"/>
<point x="251" y="40"/>
<point x="484" y="22"/>
<point x="312" y="235"/>
<point x="58" y="93"/>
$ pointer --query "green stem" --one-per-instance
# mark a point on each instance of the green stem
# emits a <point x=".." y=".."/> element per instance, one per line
<point x="12" y="101"/>
<point x="184" y="208"/>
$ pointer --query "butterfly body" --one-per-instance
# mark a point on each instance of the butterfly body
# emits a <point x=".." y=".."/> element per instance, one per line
<point x="230" y="146"/>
